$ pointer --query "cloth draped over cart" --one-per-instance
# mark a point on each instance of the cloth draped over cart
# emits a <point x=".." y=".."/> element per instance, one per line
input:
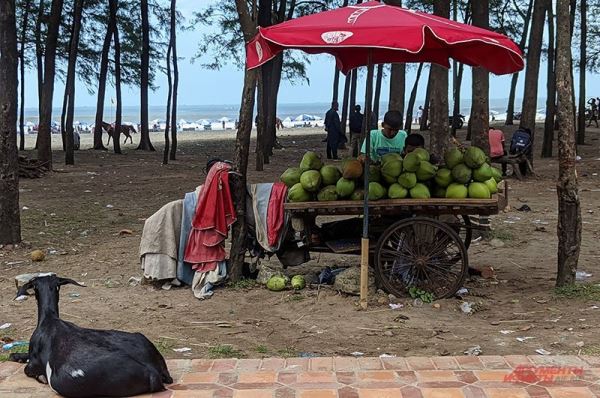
<point x="184" y="241"/>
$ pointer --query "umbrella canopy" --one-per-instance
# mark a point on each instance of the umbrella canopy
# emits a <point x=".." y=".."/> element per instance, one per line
<point x="386" y="34"/>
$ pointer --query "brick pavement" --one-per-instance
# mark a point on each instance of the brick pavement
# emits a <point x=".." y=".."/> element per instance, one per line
<point x="513" y="376"/>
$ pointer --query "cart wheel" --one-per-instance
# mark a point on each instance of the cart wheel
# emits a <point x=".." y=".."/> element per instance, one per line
<point x="424" y="253"/>
<point x="462" y="226"/>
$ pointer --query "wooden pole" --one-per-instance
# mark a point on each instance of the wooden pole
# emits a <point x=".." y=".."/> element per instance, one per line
<point x="364" y="258"/>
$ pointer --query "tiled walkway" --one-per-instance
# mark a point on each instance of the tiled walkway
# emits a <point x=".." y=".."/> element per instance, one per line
<point x="412" y="377"/>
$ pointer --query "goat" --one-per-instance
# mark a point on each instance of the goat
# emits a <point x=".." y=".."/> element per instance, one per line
<point x="79" y="362"/>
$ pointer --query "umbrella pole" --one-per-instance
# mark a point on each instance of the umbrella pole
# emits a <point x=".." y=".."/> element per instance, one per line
<point x="364" y="247"/>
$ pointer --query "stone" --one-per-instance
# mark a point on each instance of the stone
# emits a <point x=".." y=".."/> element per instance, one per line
<point x="496" y="243"/>
<point x="348" y="281"/>
<point x="265" y="273"/>
<point x="38" y="255"/>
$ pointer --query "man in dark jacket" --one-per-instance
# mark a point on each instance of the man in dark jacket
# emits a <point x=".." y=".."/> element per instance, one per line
<point x="333" y="126"/>
<point x="356" y="122"/>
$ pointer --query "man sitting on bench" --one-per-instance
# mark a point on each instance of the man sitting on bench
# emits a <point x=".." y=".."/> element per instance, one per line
<point x="497" y="150"/>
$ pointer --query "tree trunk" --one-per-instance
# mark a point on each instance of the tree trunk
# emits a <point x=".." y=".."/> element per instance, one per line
<point x="175" y="80"/>
<point x="510" y="110"/>
<point x="551" y="88"/>
<point x="242" y="147"/>
<point x="102" y="86"/>
<point x="353" y="84"/>
<point x="169" y="97"/>
<point x="10" y="219"/>
<point x="70" y="84"/>
<point x="529" y="107"/>
<point x="582" y="67"/>
<point x="271" y="135"/>
<point x="345" y="102"/>
<point x="63" y="113"/>
<point x="117" y="49"/>
<point x="481" y="85"/>
<point x="377" y="97"/>
<point x="569" y="211"/>
<point x="145" y="143"/>
<point x="44" y="149"/>
<point x="24" y="28"/>
<point x="397" y="88"/>
<point x="439" y="95"/>
<point x="266" y="71"/>
<point x="336" y="85"/>
<point x="39" y="51"/>
<point x="411" y="101"/>
<point x="425" y="118"/>
<point x="456" y="87"/>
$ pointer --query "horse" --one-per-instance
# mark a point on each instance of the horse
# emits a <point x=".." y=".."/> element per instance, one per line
<point x="126" y="130"/>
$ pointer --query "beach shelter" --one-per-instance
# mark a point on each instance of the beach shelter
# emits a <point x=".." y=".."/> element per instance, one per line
<point x="374" y="33"/>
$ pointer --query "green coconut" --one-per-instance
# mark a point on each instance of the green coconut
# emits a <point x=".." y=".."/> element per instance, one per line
<point x="376" y="191"/>
<point x="492" y="185"/>
<point x="359" y="194"/>
<point x="474" y="157"/>
<point x="407" y="180"/>
<point x="411" y="162"/>
<point x="420" y="191"/>
<point x="276" y="283"/>
<point x="483" y="173"/>
<point x="390" y="156"/>
<point x="461" y="173"/>
<point x="426" y="171"/>
<point x="311" y="180"/>
<point x="291" y="176"/>
<point x="330" y="175"/>
<point x="456" y="191"/>
<point x="478" y="190"/>
<point x="497" y="174"/>
<point x="298" y="194"/>
<point x="392" y="168"/>
<point x="344" y="187"/>
<point x="327" y="194"/>
<point x="443" y="177"/>
<point x="453" y="157"/>
<point x="374" y="173"/>
<point x="298" y="282"/>
<point x="311" y="161"/>
<point x="422" y="154"/>
<point x="397" y="191"/>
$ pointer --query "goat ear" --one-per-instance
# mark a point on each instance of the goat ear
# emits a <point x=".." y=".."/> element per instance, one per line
<point x="23" y="291"/>
<point x="65" y="281"/>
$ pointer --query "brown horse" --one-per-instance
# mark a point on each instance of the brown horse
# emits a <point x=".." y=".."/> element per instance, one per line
<point x="126" y="130"/>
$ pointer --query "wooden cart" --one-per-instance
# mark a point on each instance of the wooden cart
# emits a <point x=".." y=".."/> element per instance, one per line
<point x="416" y="242"/>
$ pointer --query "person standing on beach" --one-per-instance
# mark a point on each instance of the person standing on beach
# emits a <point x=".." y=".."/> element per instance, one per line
<point x="356" y="122"/>
<point x="594" y="112"/>
<point x="333" y="126"/>
<point x="419" y="115"/>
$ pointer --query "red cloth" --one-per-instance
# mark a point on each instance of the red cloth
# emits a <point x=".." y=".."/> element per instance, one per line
<point x="496" y="143"/>
<point x="215" y="212"/>
<point x="276" y="212"/>
<point x="382" y="33"/>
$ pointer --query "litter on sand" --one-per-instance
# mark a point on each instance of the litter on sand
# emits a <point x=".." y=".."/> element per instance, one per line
<point x="507" y="331"/>
<point x="523" y="339"/>
<point x="183" y="349"/>
<point x="473" y="351"/>
<point x="541" y="351"/>
<point x="5" y="326"/>
<point x="396" y="306"/>
<point x="357" y="354"/>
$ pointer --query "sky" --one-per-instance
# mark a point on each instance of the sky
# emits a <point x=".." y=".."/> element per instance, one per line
<point x="199" y="86"/>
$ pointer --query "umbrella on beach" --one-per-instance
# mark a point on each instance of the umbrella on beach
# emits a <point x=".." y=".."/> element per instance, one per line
<point x="373" y="33"/>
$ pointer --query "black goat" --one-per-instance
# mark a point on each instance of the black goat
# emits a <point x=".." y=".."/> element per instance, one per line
<point x="78" y="362"/>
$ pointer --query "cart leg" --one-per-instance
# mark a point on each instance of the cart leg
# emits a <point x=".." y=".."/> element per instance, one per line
<point x="364" y="273"/>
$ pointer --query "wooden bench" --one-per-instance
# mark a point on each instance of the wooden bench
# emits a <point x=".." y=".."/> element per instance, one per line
<point x="515" y="161"/>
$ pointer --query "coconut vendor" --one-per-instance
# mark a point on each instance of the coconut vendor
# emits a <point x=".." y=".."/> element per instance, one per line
<point x="387" y="140"/>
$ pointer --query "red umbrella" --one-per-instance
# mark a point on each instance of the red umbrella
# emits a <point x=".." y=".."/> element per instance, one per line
<point x="375" y="33"/>
<point x="389" y="34"/>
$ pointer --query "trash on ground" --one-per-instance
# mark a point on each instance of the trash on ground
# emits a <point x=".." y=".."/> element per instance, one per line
<point x="134" y="281"/>
<point x="25" y="208"/>
<point x="109" y="206"/>
<point x="418" y="302"/>
<point x="524" y="208"/>
<point x="463" y="291"/>
<point x="524" y="339"/>
<point x="580" y="344"/>
<point x="74" y="295"/>
<point x="594" y="307"/>
<point x="327" y="275"/>
<point x="466" y="307"/>
<point x="473" y="351"/>
<point x="183" y="349"/>
<point x="396" y="306"/>
<point x="5" y="326"/>
<point x="582" y="275"/>
<point x="387" y="356"/>
<point x="357" y="354"/>
<point x="14" y="344"/>
<point x="125" y="232"/>
<point x="308" y="355"/>
<point x="507" y="331"/>
<point x="541" y="351"/>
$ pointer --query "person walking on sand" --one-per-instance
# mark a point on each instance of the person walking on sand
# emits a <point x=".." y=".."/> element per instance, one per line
<point x="333" y="126"/>
<point x="594" y="112"/>
<point x="356" y="122"/>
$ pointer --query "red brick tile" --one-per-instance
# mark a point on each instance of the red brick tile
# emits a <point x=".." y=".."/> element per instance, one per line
<point x="285" y="392"/>
<point x="537" y="392"/>
<point x="200" y="377"/>
<point x="516" y="360"/>
<point x="406" y="376"/>
<point x="469" y="362"/>
<point x="258" y="377"/>
<point x="200" y="365"/>
<point x="474" y="392"/>
<point x="380" y="393"/>
<point x="445" y="363"/>
<point x="254" y="394"/>
<point x="370" y="363"/>
<point x="570" y="392"/>
<point x="273" y="364"/>
<point x="194" y="386"/>
<point x="442" y="393"/>
<point x="466" y="376"/>
<point x="287" y="378"/>
<point x="593" y="362"/>
<point x="255" y="386"/>
<point x="441" y="384"/>
<point x="223" y="365"/>
<point x="492" y="375"/>
<point x="346" y="363"/>
<point x="381" y="375"/>
<point x="192" y="394"/>
<point x="320" y="393"/>
<point x="420" y="363"/>
<point x="316" y="377"/>
<point x="296" y="364"/>
<point x="411" y="392"/>
<point x="394" y="363"/>
<point x="494" y="362"/>
<point x="324" y="364"/>
<point x="506" y="393"/>
<point x="227" y="379"/>
<point x="347" y="392"/>
<point x="248" y="364"/>
<point x="162" y="394"/>
<point x="223" y="393"/>
<point x="345" y="377"/>
<point x="436" y="375"/>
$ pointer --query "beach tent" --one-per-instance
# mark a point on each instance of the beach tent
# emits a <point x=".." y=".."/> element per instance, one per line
<point x="373" y="33"/>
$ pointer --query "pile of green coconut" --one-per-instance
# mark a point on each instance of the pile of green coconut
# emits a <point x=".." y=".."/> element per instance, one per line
<point x="465" y="174"/>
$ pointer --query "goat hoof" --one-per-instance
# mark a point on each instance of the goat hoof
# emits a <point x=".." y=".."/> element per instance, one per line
<point x="19" y="357"/>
